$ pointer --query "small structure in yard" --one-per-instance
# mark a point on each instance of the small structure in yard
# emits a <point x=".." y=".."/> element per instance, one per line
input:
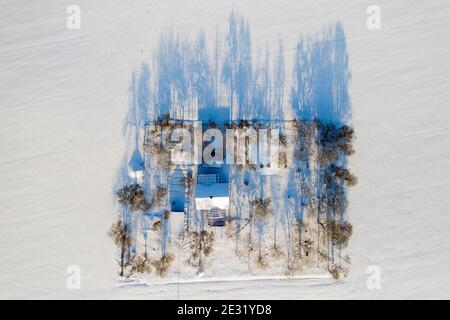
<point x="136" y="167"/>
<point x="212" y="190"/>
<point x="216" y="217"/>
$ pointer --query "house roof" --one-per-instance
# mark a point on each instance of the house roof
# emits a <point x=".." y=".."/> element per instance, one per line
<point x="219" y="115"/>
<point x="212" y="196"/>
<point x="210" y="203"/>
<point x="213" y="190"/>
<point x="136" y="163"/>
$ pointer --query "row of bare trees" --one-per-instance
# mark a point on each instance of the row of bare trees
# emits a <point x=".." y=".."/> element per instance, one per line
<point x="319" y="171"/>
<point x="334" y="145"/>
<point x="134" y="202"/>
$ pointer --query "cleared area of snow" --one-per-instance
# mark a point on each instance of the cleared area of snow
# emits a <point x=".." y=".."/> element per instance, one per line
<point x="64" y="94"/>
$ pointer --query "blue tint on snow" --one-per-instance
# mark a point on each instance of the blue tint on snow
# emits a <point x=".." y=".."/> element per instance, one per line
<point x="237" y="65"/>
<point x="321" y="78"/>
<point x="136" y="163"/>
<point x="176" y="192"/>
<point x="139" y="97"/>
<point x="220" y="115"/>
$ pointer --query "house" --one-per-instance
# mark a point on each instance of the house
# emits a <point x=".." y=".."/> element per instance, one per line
<point x="212" y="193"/>
<point x="136" y="167"/>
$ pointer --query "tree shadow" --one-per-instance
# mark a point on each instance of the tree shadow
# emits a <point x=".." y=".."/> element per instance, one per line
<point x="139" y="101"/>
<point x="322" y="75"/>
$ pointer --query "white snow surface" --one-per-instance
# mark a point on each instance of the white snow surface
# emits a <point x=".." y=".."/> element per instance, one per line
<point x="64" y="94"/>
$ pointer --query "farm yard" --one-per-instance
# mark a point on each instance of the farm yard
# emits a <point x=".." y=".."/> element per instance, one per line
<point x="343" y="195"/>
<point x="222" y="182"/>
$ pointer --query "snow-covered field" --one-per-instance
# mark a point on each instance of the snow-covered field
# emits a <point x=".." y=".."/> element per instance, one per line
<point x="64" y="94"/>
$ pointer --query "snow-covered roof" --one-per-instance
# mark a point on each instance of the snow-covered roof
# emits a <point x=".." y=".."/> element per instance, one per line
<point x="215" y="190"/>
<point x="136" y="163"/>
<point x="212" y="196"/>
<point x="219" y="115"/>
<point x="136" y="167"/>
<point x="214" y="202"/>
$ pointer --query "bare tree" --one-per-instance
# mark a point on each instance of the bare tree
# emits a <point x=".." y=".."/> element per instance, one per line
<point x="162" y="265"/>
<point x="131" y="195"/>
<point x="118" y="232"/>
<point x="344" y="175"/>
<point x="140" y="264"/>
<point x="260" y="212"/>
<point x="261" y="207"/>
<point x="189" y="185"/>
<point x="345" y="139"/>
<point x="160" y="193"/>
<point x="201" y="244"/>
<point x="341" y="232"/>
